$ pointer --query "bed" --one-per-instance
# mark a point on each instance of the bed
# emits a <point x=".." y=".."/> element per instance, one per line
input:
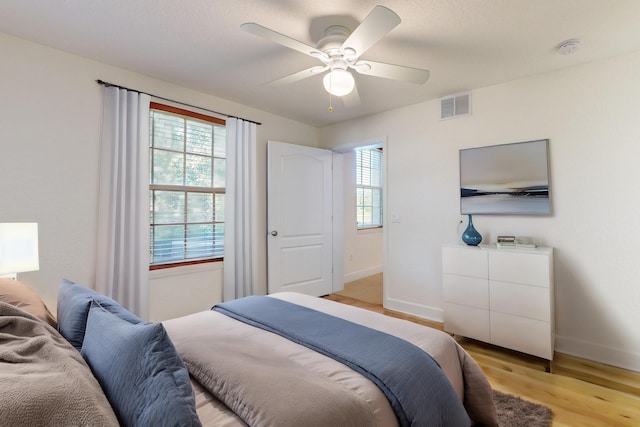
<point x="216" y="368"/>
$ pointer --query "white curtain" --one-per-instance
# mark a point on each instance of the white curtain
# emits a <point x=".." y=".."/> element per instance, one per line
<point x="240" y="215"/>
<point x="122" y="266"/>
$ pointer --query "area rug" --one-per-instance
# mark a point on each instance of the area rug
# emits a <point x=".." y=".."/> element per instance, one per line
<point x="516" y="412"/>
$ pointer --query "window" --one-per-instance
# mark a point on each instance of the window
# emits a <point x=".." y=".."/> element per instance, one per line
<point x="187" y="186"/>
<point x="369" y="187"/>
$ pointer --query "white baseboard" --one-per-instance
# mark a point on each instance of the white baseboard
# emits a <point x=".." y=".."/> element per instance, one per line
<point x="434" y="314"/>
<point x="361" y="274"/>
<point x="598" y="353"/>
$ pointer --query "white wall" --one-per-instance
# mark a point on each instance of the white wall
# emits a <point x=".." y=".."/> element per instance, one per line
<point x="362" y="248"/>
<point x="50" y="125"/>
<point x="590" y="113"/>
<point x="50" y="122"/>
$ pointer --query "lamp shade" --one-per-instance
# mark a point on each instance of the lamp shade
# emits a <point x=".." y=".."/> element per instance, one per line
<point x="338" y="82"/>
<point x="18" y="247"/>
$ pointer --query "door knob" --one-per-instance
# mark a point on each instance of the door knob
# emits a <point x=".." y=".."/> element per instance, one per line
<point x="274" y="233"/>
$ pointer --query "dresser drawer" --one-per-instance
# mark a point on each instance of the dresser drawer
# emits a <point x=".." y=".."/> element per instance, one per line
<point x="522" y="334"/>
<point x="518" y="267"/>
<point x="467" y="321"/>
<point x="464" y="261"/>
<point x="469" y="291"/>
<point x="532" y="302"/>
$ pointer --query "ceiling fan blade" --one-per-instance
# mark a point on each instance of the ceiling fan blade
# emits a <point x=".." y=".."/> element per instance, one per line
<point x="274" y="36"/>
<point x="352" y="99"/>
<point x="393" y="72"/>
<point x="292" y="78"/>
<point x="378" y="23"/>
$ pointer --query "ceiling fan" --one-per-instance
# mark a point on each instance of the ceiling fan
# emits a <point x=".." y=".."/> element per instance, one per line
<point x="340" y="51"/>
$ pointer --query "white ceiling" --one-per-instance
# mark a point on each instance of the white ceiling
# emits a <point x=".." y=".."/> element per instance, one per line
<point x="466" y="44"/>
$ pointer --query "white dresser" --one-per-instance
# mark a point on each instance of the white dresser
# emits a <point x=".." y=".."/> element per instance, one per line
<point x="500" y="296"/>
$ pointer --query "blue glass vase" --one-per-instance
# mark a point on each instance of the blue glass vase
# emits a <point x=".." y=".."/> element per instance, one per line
<point x="471" y="236"/>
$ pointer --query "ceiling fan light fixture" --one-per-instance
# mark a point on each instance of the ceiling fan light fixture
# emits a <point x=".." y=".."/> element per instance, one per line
<point x="338" y="82"/>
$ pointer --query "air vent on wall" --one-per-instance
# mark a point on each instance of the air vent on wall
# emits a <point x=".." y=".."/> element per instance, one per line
<point x="455" y="106"/>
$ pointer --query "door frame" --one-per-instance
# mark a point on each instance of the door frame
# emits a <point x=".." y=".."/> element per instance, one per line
<point x="341" y="149"/>
<point x="338" y="212"/>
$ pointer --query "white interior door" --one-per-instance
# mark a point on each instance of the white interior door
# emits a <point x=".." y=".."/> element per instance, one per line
<point x="299" y="209"/>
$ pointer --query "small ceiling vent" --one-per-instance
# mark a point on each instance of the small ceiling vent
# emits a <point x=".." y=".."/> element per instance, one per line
<point x="455" y="106"/>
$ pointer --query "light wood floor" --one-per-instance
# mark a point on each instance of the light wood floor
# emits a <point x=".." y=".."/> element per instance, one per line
<point x="578" y="391"/>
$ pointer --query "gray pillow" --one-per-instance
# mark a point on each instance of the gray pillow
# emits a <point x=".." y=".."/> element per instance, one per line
<point x="139" y="370"/>
<point x="73" y="308"/>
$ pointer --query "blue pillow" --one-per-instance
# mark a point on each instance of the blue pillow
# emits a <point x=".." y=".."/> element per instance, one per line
<point x="139" y="370"/>
<point x="73" y="308"/>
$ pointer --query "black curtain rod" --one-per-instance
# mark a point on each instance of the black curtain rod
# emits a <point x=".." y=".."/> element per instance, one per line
<point x="107" y="84"/>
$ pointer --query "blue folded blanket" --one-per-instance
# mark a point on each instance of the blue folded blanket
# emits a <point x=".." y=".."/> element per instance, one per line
<point x="417" y="389"/>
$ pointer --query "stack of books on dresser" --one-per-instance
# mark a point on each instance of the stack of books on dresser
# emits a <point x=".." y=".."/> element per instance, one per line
<point x="508" y="242"/>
